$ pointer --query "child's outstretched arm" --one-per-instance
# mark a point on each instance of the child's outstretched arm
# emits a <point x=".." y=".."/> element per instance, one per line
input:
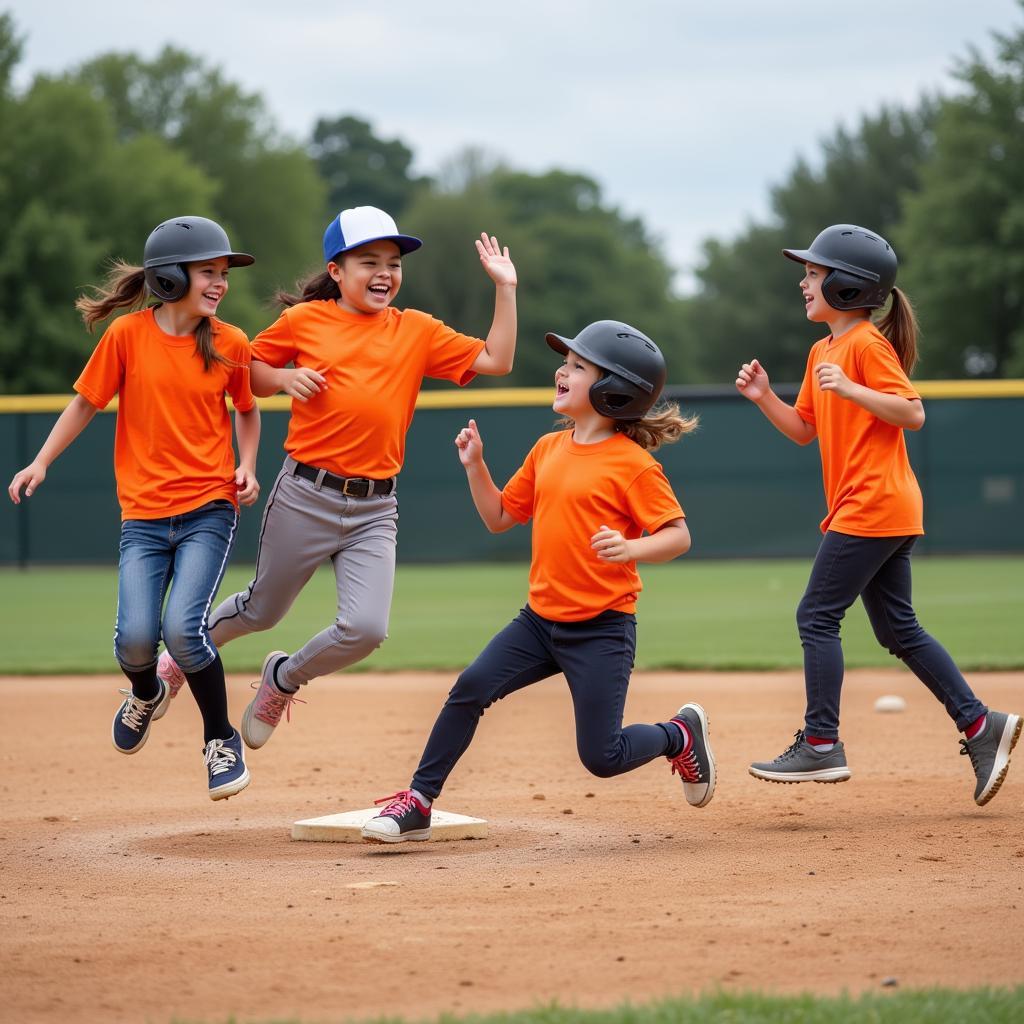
<point x="753" y="383"/>
<point x="486" y="495"/>
<point x="71" y="422"/>
<point x="500" y="344"/>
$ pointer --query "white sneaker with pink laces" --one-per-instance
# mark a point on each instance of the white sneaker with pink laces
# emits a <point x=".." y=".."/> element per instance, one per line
<point x="167" y="670"/>
<point x="265" y="709"/>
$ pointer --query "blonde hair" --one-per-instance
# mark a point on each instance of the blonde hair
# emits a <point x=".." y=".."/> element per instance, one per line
<point x="664" y="424"/>
<point x="899" y="325"/>
<point x="125" y="288"/>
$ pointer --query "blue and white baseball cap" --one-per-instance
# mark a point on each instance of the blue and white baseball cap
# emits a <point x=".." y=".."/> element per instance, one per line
<point x="360" y="225"/>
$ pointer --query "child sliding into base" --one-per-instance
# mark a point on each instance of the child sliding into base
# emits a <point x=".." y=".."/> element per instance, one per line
<point x="593" y="491"/>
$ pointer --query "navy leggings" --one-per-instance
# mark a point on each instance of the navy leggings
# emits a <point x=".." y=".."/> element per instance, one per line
<point x="877" y="569"/>
<point x="596" y="656"/>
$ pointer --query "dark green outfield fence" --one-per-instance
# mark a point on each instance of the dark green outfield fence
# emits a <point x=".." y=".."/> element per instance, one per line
<point x="747" y="491"/>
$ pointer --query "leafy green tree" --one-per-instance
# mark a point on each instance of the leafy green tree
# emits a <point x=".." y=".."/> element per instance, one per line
<point x="361" y="169"/>
<point x="965" y="226"/>
<point x="747" y="302"/>
<point x="578" y="260"/>
<point x="269" y="195"/>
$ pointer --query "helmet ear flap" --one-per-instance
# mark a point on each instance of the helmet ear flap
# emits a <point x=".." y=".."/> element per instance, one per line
<point x="168" y="283"/>
<point x="843" y="290"/>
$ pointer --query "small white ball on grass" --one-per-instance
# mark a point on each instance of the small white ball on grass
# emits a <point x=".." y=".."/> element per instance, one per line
<point x="889" y="703"/>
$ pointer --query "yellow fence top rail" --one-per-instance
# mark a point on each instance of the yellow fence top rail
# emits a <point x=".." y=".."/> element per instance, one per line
<point x="479" y="398"/>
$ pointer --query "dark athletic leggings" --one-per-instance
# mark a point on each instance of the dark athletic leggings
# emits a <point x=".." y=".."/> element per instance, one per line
<point x="877" y="569"/>
<point x="597" y="658"/>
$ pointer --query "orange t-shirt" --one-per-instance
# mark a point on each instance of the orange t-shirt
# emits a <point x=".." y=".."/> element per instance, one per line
<point x="571" y="490"/>
<point x="870" y="489"/>
<point x="374" y="364"/>
<point x="172" y="445"/>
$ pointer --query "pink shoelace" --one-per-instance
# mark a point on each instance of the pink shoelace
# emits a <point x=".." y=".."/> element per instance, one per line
<point x="400" y="803"/>
<point x="270" y="703"/>
<point x="685" y="765"/>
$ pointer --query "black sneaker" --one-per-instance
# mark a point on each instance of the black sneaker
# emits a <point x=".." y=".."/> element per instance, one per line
<point x="801" y="762"/>
<point x="134" y="717"/>
<point x="989" y="752"/>
<point x="403" y="818"/>
<point x="696" y="767"/>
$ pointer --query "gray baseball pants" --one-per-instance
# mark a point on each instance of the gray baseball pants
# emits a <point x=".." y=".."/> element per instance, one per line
<point x="302" y="527"/>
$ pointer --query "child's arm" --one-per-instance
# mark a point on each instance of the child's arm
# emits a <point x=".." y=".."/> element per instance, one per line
<point x="71" y="422"/>
<point x="247" y="433"/>
<point x="671" y="541"/>
<point x="486" y="495"/>
<point x="300" y="382"/>
<point x="500" y="345"/>
<point x="753" y="383"/>
<point x="894" y="409"/>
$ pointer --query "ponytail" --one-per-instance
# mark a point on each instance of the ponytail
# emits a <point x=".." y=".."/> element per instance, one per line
<point x="318" y="287"/>
<point x="125" y="288"/>
<point x="664" y="424"/>
<point x="899" y="325"/>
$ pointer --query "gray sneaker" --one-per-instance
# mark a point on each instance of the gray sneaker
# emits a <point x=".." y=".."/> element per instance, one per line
<point x="800" y="762"/>
<point x="989" y="752"/>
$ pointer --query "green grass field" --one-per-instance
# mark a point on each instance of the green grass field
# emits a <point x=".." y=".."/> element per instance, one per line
<point x="693" y="615"/>
<point x="938" y="1006"/>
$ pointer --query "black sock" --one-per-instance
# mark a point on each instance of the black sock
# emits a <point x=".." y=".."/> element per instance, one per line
<point x="144" y="684"/>
<point x="207" y="686"/>
<point x="675" y="737"/>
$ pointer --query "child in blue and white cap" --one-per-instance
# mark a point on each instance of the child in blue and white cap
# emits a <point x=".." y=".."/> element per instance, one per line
<point x="353" y="365"/>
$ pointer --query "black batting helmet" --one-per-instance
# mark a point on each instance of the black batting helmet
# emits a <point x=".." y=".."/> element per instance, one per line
<point x="634" y="367"/>
<point x="183" y="240"/>
<point x="862" y="264"/>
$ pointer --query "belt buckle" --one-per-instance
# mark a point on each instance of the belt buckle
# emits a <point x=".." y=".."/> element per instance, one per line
<point x="353" y="494"/>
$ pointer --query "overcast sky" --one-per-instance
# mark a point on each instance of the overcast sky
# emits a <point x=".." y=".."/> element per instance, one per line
<point x="686" y="113"/>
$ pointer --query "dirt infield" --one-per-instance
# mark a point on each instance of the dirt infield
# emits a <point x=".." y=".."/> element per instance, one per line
<point x="129" y="896"/>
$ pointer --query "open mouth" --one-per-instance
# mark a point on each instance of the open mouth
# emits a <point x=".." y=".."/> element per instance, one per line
<point x="382" y="291"/>
<point x="561" y="389"/>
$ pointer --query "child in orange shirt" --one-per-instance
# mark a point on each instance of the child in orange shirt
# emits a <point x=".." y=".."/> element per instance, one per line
<point x="856" y="398"/>
<point x="592" y="491"/>
<point x="353" y="365"/>
<point x="170" y="365"/>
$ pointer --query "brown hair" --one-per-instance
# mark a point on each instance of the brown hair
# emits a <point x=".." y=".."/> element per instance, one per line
<point x="899" y="325"/>
<point x="317" y="287"/>
<point x="125" y="288"/>
<point x="664" y="424"/>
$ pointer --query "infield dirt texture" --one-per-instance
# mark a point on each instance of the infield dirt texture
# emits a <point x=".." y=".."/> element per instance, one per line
<point x="129" y="896"/>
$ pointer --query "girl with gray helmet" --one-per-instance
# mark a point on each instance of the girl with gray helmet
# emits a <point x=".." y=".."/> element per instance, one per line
<point x="593" y="491"/>
<point x="857" y="399"/>
<point x="170" y="364"/>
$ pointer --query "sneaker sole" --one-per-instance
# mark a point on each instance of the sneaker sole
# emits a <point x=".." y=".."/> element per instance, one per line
<point x="418" y="836"/>
<point x="249" y="716"/>
<point x="821" y="775"/>
<point x="223" y="792"/>
<point x="705" y="725"/>
<point x="161" y="708"/>
<point x="1011" y="733"/>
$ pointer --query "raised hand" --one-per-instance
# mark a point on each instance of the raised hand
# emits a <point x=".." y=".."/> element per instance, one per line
<point x="495" y="260"/>
<point x="752" y="381"/>
<point x="471" y="447"/>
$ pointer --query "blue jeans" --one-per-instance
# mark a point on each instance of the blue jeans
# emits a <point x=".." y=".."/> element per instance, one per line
<point x="596" y="656"/>
<point x="876" y="569"/>
<point x="186" y="553"/>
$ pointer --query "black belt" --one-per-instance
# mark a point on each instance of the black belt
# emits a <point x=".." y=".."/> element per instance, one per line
<point x="352" y="486"/>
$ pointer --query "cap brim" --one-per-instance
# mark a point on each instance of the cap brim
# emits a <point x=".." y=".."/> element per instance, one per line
<point x="558" y="343"/>
<point x="240" y="259"/>
<point x="406" y="244"/>
<point x="799" y="255"/>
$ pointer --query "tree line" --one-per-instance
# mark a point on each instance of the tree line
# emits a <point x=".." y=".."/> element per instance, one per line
<point x="96" y="156"/>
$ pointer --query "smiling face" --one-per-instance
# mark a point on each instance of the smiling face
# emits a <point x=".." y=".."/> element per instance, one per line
<point x="573" y="381"/>
<point x="369" y="277"/>
<point x="207" y="286"/>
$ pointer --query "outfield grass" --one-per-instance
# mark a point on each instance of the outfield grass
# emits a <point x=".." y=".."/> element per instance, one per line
<point x="693" y="615"/>
<point x="936" y="1006"/>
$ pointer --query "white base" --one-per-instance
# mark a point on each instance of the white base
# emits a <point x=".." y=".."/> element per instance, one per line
<point x="347" y="826"/>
